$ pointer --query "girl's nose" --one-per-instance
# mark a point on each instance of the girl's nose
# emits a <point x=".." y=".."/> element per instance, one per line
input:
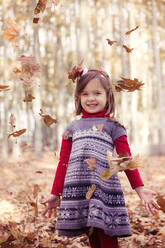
<point x="91" y="97"/>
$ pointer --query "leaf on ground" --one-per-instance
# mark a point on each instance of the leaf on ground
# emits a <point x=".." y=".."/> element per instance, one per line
<point x="128" y="84"/>
<point x="17" y="133"/>
<point x="4" y="238"/>
<point x="29" y="98"/>
<point x="161" y="202"/>
<point x="4" y="87"/>
<point x="111" y="42"/>
<point x="76" y="70"/>
<point x="47" y="118"/>
<point x="90" y="192"/>
<point x="91" y="162"/>
<point x="129" y="50"/>
<point x="130" y="31"/>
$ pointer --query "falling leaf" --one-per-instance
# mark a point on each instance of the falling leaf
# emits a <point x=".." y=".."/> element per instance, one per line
<point x="36" y="190"/>
<point x="91" y="162"/>
<point x="40" y="7"/>
<point x="26" y="147"/>
<point x="30" y="70"/>
<point x="76" y="70"/>
<point x="67" y="135"/>
<point x="4" y="87"/>
<point x="56" y="2"/>
<point x="16" y="70"/>
<point x="118" y="164"/>
<point x="90" y="192"/>
<point x="98" y="127"/>
<point x="29" y="98"/>
<point x="39" y="172"/>
<point x="17" y="133"/>
<point x="47" y="119"/>
<point x="12" y="121"/>
<point x="11" y="32"/>
<point x="129" y="50"/>
<point x="161" y="202"/>
<point x="35" y="206"/>
<point x="128" y="84"/>
<point x="111" y="42"/>
<point x="130" y="31"/>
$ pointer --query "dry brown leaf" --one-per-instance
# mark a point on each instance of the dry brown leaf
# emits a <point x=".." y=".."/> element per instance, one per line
<point x="36" y="190"/>
<point x="120" y="163"/>
<point x="17" y="133"/>
<point x="75" y="71"/>
<point x="91" y="162"/>
<point x="128" y="84"/>
<point x="130" y="31"/>
<point x="4" y="238"/>
<point x="12" y="122"/>
<point x="100" y="127"/>
<point x="4" y="87"/>
<point x="40" y="7"/>
<point x="35" y="206"/>
<point x="11" y="32"/>
<point x="67" y="135"/>
<point x="90" y="192"/>
<point x="47" y="118"/>
<point x="17" y="234"/>
<point x="30" y="70"/>
<point x="129" y="50"/>
<point x="161" y="202"/>
<point x="56" y="2"/>
<point x="29" y="98"/>
<point x="111" y="42"/>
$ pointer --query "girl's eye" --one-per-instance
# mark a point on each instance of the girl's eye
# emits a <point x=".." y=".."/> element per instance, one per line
<point x="98" y="93"/>
<point x="84" y="94"/>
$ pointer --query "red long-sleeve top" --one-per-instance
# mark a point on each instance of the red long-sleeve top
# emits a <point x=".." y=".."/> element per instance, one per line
<point x="121" y="145"/>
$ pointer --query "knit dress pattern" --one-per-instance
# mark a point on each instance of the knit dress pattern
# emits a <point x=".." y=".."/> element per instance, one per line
<point x="106" y="208"/>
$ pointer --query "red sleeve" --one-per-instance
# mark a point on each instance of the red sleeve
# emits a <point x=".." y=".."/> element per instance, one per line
<point x="58" y="183"/>
<point x="133" y="176"/>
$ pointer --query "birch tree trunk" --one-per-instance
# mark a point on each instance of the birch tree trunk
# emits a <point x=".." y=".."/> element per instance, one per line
<point x="158" y="73"/>
<point x="4" y="104"/>
<point x="37" y="93"/>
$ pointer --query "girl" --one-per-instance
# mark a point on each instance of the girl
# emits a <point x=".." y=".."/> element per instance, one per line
<point x="103" y="216"/>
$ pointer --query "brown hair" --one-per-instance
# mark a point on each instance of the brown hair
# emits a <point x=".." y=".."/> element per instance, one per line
<point x="105" y="82"/>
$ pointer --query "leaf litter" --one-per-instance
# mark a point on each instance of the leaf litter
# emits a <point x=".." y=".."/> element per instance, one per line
<point x="21" y="186"/>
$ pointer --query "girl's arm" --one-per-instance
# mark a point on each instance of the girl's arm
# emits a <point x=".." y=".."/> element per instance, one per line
<point x="133" y="176"/>
<point x="58" y="183"/>
<point x="146" y="195"/>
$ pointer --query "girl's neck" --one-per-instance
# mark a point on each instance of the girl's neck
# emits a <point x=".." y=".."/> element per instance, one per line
<point x="100" y="114"/>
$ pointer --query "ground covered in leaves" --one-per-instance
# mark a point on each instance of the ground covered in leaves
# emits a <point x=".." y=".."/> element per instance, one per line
<point x="27" y="180"/>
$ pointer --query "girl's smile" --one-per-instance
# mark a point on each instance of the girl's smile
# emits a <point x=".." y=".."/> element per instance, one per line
<point x="93" y="97"/>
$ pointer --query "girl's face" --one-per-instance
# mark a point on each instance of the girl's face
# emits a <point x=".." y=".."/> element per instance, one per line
<point x="93" y="97"/>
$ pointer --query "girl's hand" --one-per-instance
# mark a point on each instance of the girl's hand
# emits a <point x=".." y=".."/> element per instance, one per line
<point x="146" y="195"/>
<point x="53" y="203"/>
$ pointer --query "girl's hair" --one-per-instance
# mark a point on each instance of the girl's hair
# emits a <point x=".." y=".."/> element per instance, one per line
<point x="105" y="82"/>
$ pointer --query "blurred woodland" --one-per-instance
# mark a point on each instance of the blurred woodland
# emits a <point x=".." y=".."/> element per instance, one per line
<point x="61" y="34"/>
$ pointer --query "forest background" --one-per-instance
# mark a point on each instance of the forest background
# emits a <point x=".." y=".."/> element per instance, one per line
<point x="67" y="33"/>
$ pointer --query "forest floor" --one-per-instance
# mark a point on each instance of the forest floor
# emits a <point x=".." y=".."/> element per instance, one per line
<point x="25" y="181"/>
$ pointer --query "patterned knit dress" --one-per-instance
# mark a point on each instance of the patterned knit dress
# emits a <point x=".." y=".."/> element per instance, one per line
<point x="106" y="208"/>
